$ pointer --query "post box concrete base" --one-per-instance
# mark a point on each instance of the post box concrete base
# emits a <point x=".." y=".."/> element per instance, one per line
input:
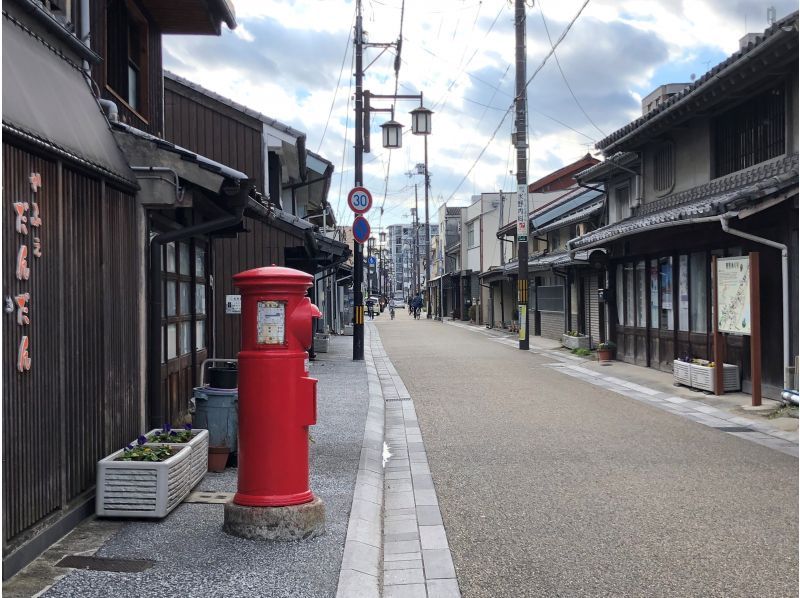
<point x="296" y="522"/>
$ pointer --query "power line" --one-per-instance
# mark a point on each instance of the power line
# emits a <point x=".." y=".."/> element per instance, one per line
<point x="397" y="63"/>
<point x="511" y="107"/>
<point x="563" y="76"/>
<point x="340" y="212"/>
<point x="563" y="124"/>
<point x="338" y="82"/>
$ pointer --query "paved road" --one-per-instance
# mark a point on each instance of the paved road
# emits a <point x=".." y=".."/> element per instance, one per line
<point x="550" y="486"/>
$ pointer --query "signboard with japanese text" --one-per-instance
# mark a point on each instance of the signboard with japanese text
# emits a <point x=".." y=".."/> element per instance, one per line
<point x="522" y="213"/>
<point x="733" y="295"/>
<point x="233" y="304"/>
<point x="27" y="221"/>
<point x="271" y="322"/>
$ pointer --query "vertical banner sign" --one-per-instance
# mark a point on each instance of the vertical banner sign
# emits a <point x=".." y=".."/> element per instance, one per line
<point x="522" y="213"/>
<point x="523" y="320"/>
<point x="26" y="213"/>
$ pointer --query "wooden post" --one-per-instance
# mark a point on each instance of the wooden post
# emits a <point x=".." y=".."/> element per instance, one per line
<point x="719" y="388"/>
<point x="755" y="330"/>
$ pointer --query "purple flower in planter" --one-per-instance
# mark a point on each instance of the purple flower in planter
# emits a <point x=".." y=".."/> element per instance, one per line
<point x="129" y="447"/>
<point x="187" y="426"/>
<point x="167" y="427"/>
<point x="141" y="440"/>
<point x="173" y="433"/>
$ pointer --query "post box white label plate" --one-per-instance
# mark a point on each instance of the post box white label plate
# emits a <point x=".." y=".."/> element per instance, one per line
<point x="271" y="322"/>
<point x="233" y="304"/>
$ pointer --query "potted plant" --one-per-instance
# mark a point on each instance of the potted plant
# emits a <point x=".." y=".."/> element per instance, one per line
<point x="605" y="351"/>
<point x="197" y="439"/>
<point x="143" y="480"/>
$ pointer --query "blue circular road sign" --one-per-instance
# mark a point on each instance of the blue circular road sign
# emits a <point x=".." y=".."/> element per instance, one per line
<point x="361" y="229"/>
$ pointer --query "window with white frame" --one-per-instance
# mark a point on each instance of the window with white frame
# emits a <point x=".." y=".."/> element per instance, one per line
<point x="471" y="234"/>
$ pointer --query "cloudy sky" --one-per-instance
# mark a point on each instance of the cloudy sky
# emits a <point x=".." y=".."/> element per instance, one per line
<point x="293" y="60"/>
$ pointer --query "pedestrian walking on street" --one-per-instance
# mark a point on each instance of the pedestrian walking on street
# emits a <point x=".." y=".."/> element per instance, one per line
<point x="417" y="305"/>
<point x="371" y="308"/>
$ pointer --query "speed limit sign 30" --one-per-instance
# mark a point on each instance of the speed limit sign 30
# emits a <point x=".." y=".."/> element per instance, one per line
<point x="359" y="200"/>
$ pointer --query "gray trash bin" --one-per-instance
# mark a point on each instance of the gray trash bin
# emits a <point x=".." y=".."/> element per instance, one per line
<point x="217" y="410"/>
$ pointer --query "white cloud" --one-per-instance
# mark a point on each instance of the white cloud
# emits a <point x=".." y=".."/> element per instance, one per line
<point x="285" y="58"/>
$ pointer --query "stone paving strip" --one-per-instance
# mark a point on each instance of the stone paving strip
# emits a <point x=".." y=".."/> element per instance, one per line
<point x="759" y="432"/>
<point x="360" y="575"/>
<point x="416" y="558"/>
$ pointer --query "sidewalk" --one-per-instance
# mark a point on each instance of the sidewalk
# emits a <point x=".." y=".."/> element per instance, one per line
<point x="188" y="553"/>
<point x="730" y="412"/>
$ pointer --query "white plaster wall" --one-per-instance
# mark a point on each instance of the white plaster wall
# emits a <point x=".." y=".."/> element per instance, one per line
<point x="692" y="159"/>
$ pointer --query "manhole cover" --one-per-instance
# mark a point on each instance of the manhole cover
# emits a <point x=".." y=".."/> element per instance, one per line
<point x="98" y="563"/>
<point x="209" y="498"/>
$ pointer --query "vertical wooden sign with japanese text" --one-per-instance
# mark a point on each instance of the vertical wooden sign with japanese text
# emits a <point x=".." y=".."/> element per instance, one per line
<point x="27" y="223"/>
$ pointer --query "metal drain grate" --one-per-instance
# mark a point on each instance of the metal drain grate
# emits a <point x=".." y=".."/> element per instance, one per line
<point x="735" y="429"/>
<point x="98" y="563"/>
<point x="209" y="498"/>
<point x="391" y="400"/>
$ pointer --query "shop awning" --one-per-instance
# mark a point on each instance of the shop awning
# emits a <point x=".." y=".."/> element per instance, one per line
<point x="48" y="102"/>
<point x="547" y="261"/>
<point x="493" y="275"/>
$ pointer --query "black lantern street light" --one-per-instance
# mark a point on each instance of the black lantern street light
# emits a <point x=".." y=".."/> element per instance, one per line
<point x="392" y="134"/>
<point x="421" y="125"/>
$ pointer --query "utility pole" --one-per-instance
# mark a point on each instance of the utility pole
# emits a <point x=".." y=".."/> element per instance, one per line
<point x="521" y="143"/>
<point x="358" y="257"/>
<point x="427" y="235"/>
<point x="416" y="241"/>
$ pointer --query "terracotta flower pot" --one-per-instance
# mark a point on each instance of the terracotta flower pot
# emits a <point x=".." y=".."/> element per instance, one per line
<point x="605" y="354"/>
<point x="217" y="458"/>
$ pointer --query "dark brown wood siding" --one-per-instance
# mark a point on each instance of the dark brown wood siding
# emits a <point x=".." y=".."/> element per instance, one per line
<point x="207" y="127"/>
<point x="263" y="246"/>
<point x="81" y="397"/>
<point x="31" y="418"/>
<point x="151" y="117"/>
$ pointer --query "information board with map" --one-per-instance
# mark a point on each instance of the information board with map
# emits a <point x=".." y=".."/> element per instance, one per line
<point x="733" y="295"/>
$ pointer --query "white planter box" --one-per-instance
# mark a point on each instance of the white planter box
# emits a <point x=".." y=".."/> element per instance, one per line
<point x="681" y="370"/>
<point x="321" y="343"/>
<point x="142" y="488"/>
<point x="702" y="377"/>
<point x="575" y="342"/>
<point x="199" y="458"/>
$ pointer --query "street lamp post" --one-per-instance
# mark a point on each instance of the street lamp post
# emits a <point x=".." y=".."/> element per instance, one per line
<point x="392" y="137"/>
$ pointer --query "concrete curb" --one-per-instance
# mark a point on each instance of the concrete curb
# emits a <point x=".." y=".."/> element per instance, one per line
<point x="360" y="575"/>
<point x="417" y="561"/>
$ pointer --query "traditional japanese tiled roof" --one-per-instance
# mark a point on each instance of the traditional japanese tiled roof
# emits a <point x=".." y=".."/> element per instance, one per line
<point x="606" y="166"/>
<point x="189" y="156"/>
<point x="569" y="169"/>
<point x="771" y="36"/>
<point x="716" y="197"/>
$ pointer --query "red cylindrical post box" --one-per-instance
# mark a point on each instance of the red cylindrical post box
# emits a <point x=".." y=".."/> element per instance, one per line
<point x="277" y="398"/>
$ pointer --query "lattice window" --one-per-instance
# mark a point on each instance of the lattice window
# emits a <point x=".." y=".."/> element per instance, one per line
<point x="664" y="168"/>
<point x="751" y="133"/>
